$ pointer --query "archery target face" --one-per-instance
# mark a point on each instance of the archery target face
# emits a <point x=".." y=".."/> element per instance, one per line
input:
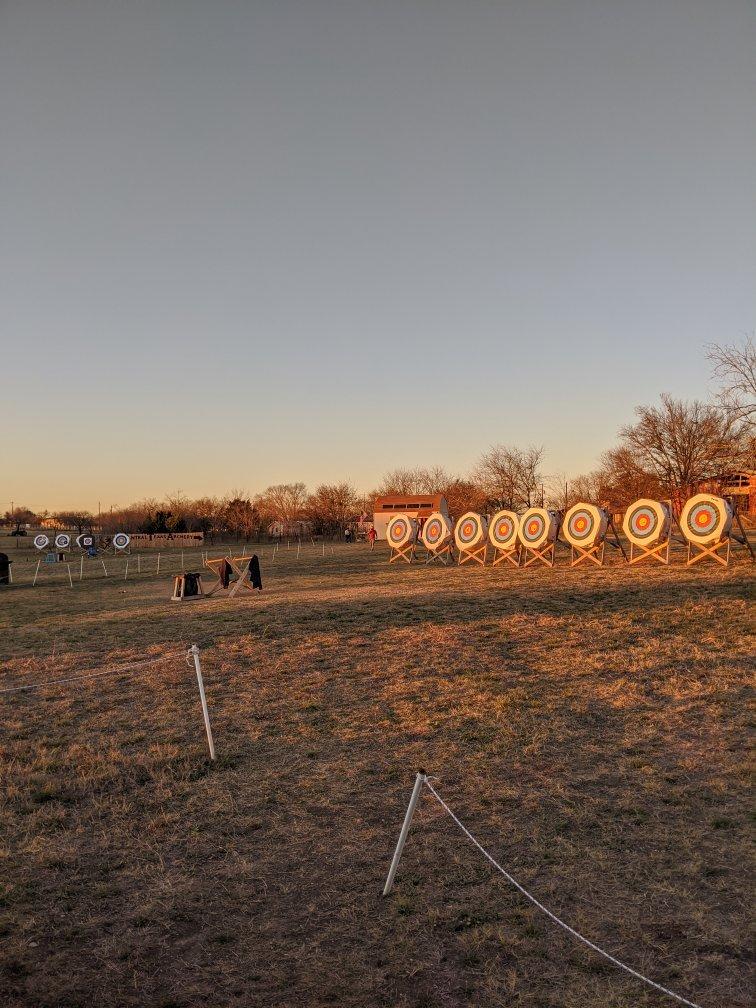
<point x="435" y="531"/>
<point x="62" y="541"/>
<point x="121" y="540"/>
<point x="646" y="522"/>
<point x="537" y="527"/>
<point x="85" y="541"/>
<point x="471" y="528"/>
<point x="706" y="519"/>
<point x="401" y="530"/>
<point x="503" y="529"/>
<point x="41" y="541"/>
<point x="584" y="525"/>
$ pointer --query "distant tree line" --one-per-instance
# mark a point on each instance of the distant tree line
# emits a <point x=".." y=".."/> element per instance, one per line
<point x="667" y="453"/>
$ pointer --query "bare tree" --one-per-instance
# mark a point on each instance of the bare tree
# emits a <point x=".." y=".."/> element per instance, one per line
<point x="20" y="516"/>
<point x="735" y="368"/>
<point x="509" y="477"/>
<point x="332" y="507"/>
<point x="682" y="443"/>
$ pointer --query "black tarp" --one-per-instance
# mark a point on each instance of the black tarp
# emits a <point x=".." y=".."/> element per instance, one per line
<point x="5" y="563"/>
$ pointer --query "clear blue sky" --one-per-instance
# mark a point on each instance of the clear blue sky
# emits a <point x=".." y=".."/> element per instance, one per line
<point x="252" y="242"/>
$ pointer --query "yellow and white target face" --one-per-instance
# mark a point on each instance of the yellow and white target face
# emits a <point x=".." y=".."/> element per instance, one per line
<point x="470" y="530"/>
<point x="537" y="527"/>
<point x="706" y="519"/>
<point x="436" y="532"/>
<point x="646" y="522"/>
<point x="503" y="529"/>
<point x="584" y="525"/>
<point x="401" y="531"/>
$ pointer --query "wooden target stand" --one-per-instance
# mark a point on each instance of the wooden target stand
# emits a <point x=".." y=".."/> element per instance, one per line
<point x="240" y="567"/>
<point x="406" y="553"/>
<point x="546" y="554"/>
<point x="697" y="551"/>
<point x="514" y="555"/>
<point x="444" y="555"/>
<point x="179" y="588"/>
<point x="596" y="553"/>
<point x="475" y="555"/>
<point x="660" y="552"/>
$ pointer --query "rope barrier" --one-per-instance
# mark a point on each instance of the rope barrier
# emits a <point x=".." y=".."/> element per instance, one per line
<point x="94" y="675"/>
<point x="552" y="916"/>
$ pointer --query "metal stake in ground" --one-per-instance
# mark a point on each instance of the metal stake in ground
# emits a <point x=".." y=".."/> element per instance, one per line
<point x="415" y="796"/>
<point x="194" y="652"/>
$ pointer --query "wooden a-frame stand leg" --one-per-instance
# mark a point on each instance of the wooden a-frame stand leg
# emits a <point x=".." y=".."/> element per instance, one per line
<point x="660" y="552"/>
<point x="545" y="555"/>
<point x="697" y="552"/>
<point x="594" y="553"/>
<point x="514" y="556"/>
<point x="477" y="555"/>
<point x="444" y="556"/>
<point x="406" y="553"/>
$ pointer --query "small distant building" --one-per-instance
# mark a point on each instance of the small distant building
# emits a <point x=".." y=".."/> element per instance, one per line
<point x="419" y="506"/>
<point x="740" y="486"/>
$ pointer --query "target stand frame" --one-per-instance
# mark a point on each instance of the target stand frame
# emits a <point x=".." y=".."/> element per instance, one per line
<point x="444" y="555"/>
<point x="179" y="586"/>
<point x="473" y="554"/>
<point x="597" y="553"/>
<point x="711" y="550"/>
<point x="546" y="554"/>
<point x="240" y="567"/>
<point x="406" y="553"/>
<point x="660" y="552"/>
<point x="514" y="556"/>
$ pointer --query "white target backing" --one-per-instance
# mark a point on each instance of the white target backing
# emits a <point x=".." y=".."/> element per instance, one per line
<point x="436" y="532"/>
<point x="584" y="525"/>
<point x="62" y="541"/>
<point x="471" y="530"/>
<point x="706" y="519"/>
<point x="121" y="540"/>
<point x="647" y="522"/>
<point x="537" y="527"/>
<point x="401" y="531"/>
<point x="503" y="529"/>
<point x="41" y="541"/>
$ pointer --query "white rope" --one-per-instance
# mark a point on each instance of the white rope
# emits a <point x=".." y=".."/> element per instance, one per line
<point x="545" y="910"/>
<point x="94" y="675"/>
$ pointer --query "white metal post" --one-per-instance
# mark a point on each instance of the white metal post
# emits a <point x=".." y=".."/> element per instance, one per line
<point x="104" y="567"/>
<point x="126" y="569"/>
<point x="414" y="798"/>
<point x="36" y="572"/>
<point x="194" y="652"/>
<point x="139" y="564"/>
<point x="81" y="567"/>
<point x="70" y="579"/>
<point x="158" y="564"/>
<point x="182" y="560"/>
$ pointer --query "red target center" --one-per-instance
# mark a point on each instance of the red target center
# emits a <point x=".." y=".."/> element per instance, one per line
<point x="533" y="527"/>
<point x="703" y="519"/>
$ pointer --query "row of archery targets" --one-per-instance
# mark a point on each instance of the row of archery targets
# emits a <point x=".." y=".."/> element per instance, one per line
<point x="706" y="526"/>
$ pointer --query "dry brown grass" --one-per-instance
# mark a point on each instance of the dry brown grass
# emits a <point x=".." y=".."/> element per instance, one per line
<point x="591" y="727"/>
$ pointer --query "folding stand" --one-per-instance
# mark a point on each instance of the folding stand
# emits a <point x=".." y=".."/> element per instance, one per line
<point x="406" y="553"/>
<point x="444" y="555"/>
<point x="473" y="554"/>
<point x="545" y="555"/>
<point x="514" y="555"/>
<point x="660" y="552"/>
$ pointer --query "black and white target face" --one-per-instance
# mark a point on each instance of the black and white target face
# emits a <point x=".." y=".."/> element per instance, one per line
<point x="85" y="541"/>
<point x="41" y="541"/>
<point x="435" y="532"/>
<point x="62" y="541"/>
<point x="121" y="540"/>
<point x="503" y="529"/>
<point x="471" y="528"/>
<point x="400" y="531"/>
<point x="705" y="519"/>
<point x="645" y="522"/>
<point x="536" y="527"/>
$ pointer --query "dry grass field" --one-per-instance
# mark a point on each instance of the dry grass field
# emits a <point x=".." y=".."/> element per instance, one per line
<point x="590" y="726"/>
